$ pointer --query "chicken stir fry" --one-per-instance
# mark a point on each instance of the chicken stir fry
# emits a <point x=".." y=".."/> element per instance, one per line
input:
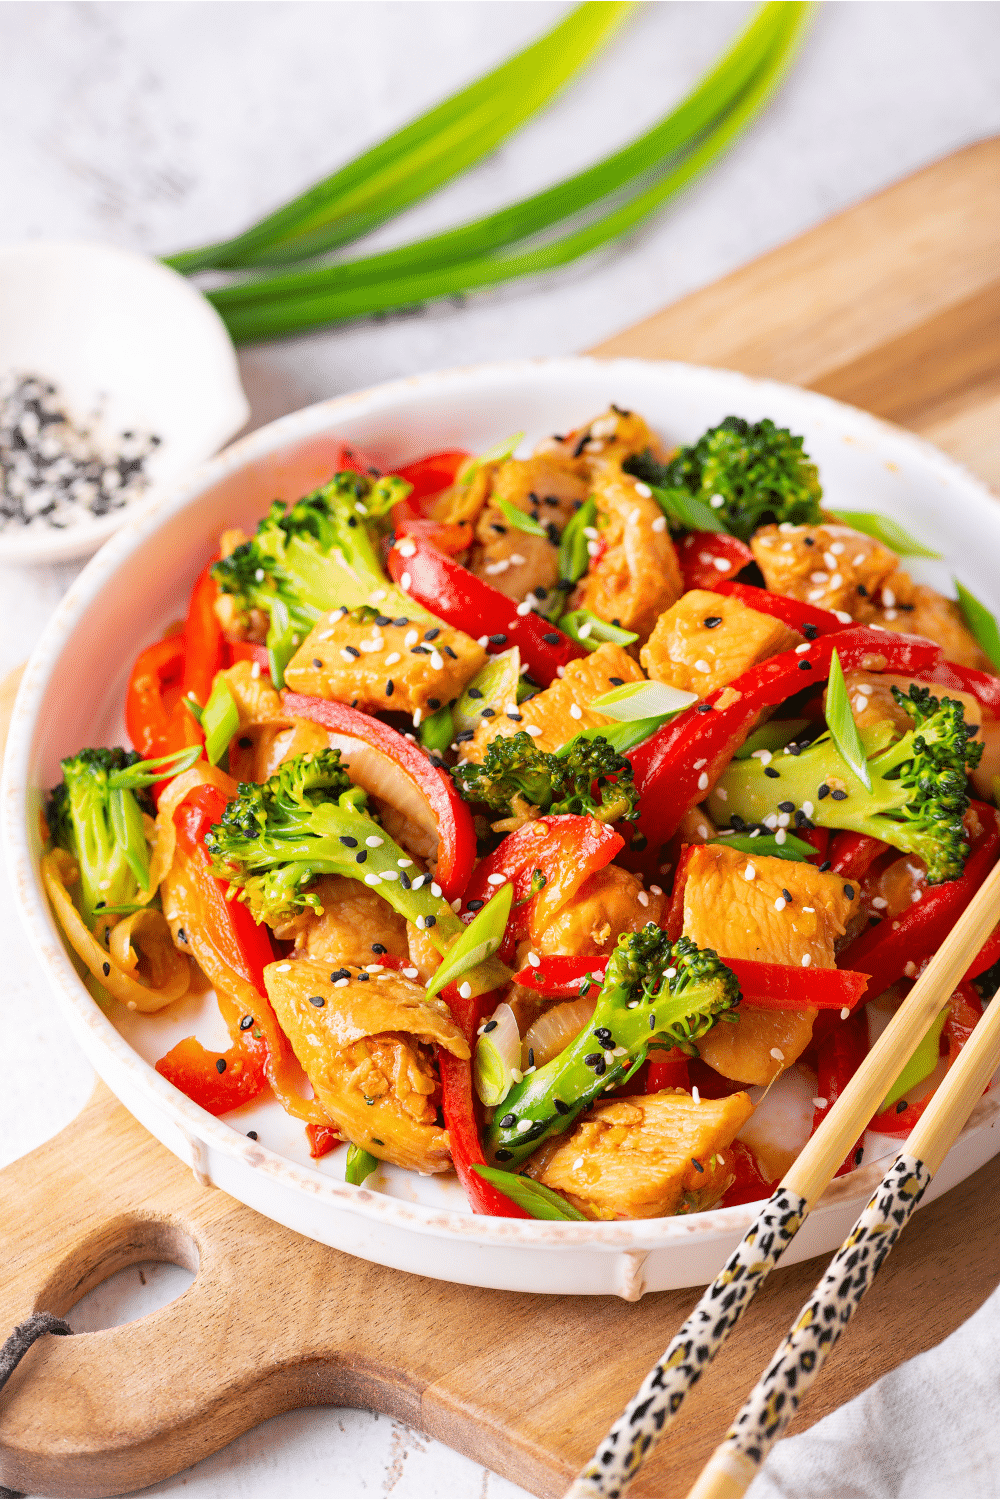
<point x="508" y="806"/>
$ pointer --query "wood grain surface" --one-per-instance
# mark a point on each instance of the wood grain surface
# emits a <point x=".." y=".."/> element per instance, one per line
<point x="892" y="305"/>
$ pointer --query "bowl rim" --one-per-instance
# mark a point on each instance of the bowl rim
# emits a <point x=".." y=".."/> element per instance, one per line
<point x="195" y="1124"/>
<point x="34" y="547"/>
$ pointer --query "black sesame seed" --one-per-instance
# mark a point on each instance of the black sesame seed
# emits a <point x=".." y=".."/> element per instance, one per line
<point x="737" y="822"/>
<point x="432" y="635"/>
<point x="823" y="791"/>
<point x="490" y="1026"/>
<point x="475" y="692"/>
<point x="434" y="703"/>
<point x="862" y="591"/>
<point x="561" y="1108"/>
<point x="508" y="1121"/>
<point x="553" y="533"/>
<point x="339" y="974"/>
<point x="430" y="921"/>
<point x="516" y="717"/>
<point x="810" y="632"/>
<point x="786" y="806"/>
<point x="404" y="879"/>
<point x="252" y="1135"/>
<point x="476" y="903"/>
<point x="246" y="1022"/>
<point x="500" y="530"/>
<point x="106" y="969"/>
<point x="504" y="1155"/>
<point x="617" y="681"/>
<point x="245" y="742"/>
<point x="824" y="867"/>
<point x="317" y="663"/>
<point x="531" y="1057"/>
<point x="489" y="713"/>
<point x="839" y="796"/>
<point x="390" y="688"/>
<point x="582" y="443"/>
<point x="550" y="638"/>
<point x="809" y="541"/>
<point x="552" y="500"/>
<point x="401" y="621"/>
<point x="499" y="639"/>
<point x="351" y="651"/>
<point x="973" y="730"/>
<point x="346" y="838"/>
<point x="220" y="1064"/>
<point x="711" y="621"/>
<point x="770" y="771"/>
<point x="901" y="1107"/>
<point x="379" y="948"/>
<point x="787" y="894"/>
<point x="793" y="749"/>
<point x="463" y="735"/>
<point x="697" y="1164"/>
<point x="652" y="1022"/>
<point x="363" y="976"/>
<point x="382" y="620"/>
<point x="849" y="892"/>
<point x="419" y="651"/>
<point x="361" y="856"/>
<point x="449" y="652"/>
<point x="705" y="708"/>
<point x="600" y="1068"/>
<point x="318" y="1000"/>
<point x="593" y="1058"/>
<point x="859" y="1156"/>
<point x="805" y="666"/>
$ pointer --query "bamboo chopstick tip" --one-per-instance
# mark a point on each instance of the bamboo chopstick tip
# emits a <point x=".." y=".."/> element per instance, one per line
<point x="727" y="1475"/>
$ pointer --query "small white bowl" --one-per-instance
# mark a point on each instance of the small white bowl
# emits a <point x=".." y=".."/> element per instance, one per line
<point x="123" y="335"/>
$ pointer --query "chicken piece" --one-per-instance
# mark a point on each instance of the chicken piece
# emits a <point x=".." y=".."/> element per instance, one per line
<point x="646" y="1157"/>
<point x="637" y="575"/>
<point x="608" y="903"/>
<point x="736" y="904"/>
<point x="706" y="640"/>
<point x="549" y="489"/>
<point x="375" y="664"/>
<point x="552" y="711"/>
<point x="422" y="953"/>
<point x="365" y="1047"/>
<point x="830" y="566"/>
<point x="607" y="441"/>
<point x="273" y="744"/>
<point x="355" y="926"/>
<point x="914" y="609"/>
<point x="730" y="905"/>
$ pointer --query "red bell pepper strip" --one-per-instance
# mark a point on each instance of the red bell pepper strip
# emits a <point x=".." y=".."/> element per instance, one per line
<point x="450" y="538"/>
<point x="673" y="922"/>
<point x="667" y="1070"/>
<point x="194" y="1070"/>
<point x="157" y="670"/>
<point x="988" y="955"/>
<point x="707" y="557"/>
<point x="750" y="1185"/>
<point x="202" y="639"/>
<point x="805" y="618"/>
<point x="853" y="854"/>
<point x="429" y="477"/>
<point x="983" y="686"/>
<point x="458" y="1105"/>
<point x="820" y="840"/>
<point x="965" y="1010"/>
<point x="456" y="834"/>
<point x="564" y="848"/>
<point x="323" y="1139"/>
<point x="674" y="768"/>
<point x="884" y="951"/>
<point x="839" y="1054"/>
<point x="764" y="985"/>
<point x="251" y="651"/>
<point x="457" y="596"/>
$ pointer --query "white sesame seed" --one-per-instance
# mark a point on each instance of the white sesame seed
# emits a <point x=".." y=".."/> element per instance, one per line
<point x="703" y="781"/>
<point x="560" y="670"/>
<point x="750" y="873"/>
<point x="533" y="960"/>
<point x="524" y="609"/>
<point x="393" y="658"/>
<point x="339" y="984"/>
<point x="858" y="560"/>
<point x="699" y="763"/>
<point x="800" y="650"/>
<point x="404" y="864"/>
<point x="516" y="1074"/>
<point x="917" y="896"/>
<point x="814" y="595"/>
<point x="786" y="526"/>
<point x="435" y="888"/>
<point x="483" y="640"/>
<point x="809" y="908"/>
<point x="806" y="960"/>
<point x="374" y="842"/>
<point x="819" y="577"/>
<point x="717" y="502"/>
<point x="657" y="890"/>
<point x="620" y="1052"/>
<point x="533" y="730"/>
<point x="808" y="809"/>
<point x="722" y="564"/>
<point x="830" y="561"/>
<point x="660" y="524"/>
<point x="643" y="490"/>
<point x="836" y="548"/>
<point x="643" y="899"/>
<point x="632" y="1004"/>
<point x="523" y="1125"/>
<point x="836" y="581"/>
<point x="777" y="1054"/>
<point x="390" y="874"/>
<point x="819" y="1102"/>
<point x="578" y="1164"/>
<point x="282" y="968"/>
<point x="437" y="660"/>
<point x="695" y="1095"/>
<point x="891" y="614"/>
<point x="374" y="968"/>
<point x="845" y="618"/>
<point x="860" y="704"/>
<point x="701" y="665"/>
<point x="575" y="712"/>
<point x="590" y="531"/>
<point x="516" y="559"/>
<point x="879" y="903"/>
<point x="780" y="836"/>
<point x="784" y="819"/>
<point x="764" y="756"/>
<point x="771" y="821"/>
<point x="456" y="905"/>
<point x="346" y="655"/>
<point x="595" y="447"/>
<point x="888" y="598"/>
<point x="406" y="549"/>
<point x="421" y="923"/>
<point x="786" y="546"/>
<point x="376" y="596"/>
<point x="593" y="548"/>
<point x="410" y="973"/>
<point x="496" y="879"/>
<point x="372" y="878"/>
<point x="845" y="1014"/>
<point x="584" y="631"/>
<point x="779" y="905"/>
<point x="465" y="990"/>
<point x="324" y="635"/>
<point x="405" y="582"/>
<point x="910" y="969"/>
<point x="255" y="670"/>
<point x="635" y="516"/>
<point x="722" y="794"/>
<point x="418" y="714"/>
<point x="411" y="637"/>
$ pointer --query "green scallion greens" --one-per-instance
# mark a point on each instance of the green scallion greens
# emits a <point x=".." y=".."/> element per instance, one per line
<point x="981" y="622"/>
<point x="884" y="529"/>
<point x="478" y="942"/>
<point x="536" y="1199"/>
<point x="360" y="1164"/>
<point x="840" y="722"/>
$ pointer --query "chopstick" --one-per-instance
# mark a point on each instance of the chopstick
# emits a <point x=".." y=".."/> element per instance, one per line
<point x="775" y="1398"/>
<point x="651" y="1411"/>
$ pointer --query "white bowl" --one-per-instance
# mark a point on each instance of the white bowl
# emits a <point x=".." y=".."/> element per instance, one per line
<point x="124" y="335"/>
<point x="140" y="581"/>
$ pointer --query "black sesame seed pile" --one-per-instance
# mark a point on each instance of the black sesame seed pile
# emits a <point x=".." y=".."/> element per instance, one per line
<point x="53" y="472"/>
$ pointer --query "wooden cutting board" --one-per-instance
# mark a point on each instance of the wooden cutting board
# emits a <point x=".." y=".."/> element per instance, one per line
<point x="894" y="305"/>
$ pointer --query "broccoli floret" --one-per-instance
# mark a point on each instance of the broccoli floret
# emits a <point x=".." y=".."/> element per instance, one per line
<point x="655" y="993"/>
<point x="96" y="815"/>
<point x="308" y="820"/>
<point x="313" y="557"/>
<point x="586" y="776"/>
<point x="758" y="469"/>
<point x="919" y="792"/>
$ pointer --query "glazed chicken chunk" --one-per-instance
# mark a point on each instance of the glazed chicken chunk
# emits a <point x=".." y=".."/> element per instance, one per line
<point x="548" y="489"/>
<point x="706" y="640"/>
<point x="634" y="575"/>
<point x="831" y="566"/>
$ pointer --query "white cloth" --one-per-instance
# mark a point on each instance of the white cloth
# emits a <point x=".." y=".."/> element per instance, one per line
<point x="928" y="1428"/>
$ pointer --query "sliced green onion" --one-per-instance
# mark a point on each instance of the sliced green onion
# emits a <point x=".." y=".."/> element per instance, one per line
<point x="771" y="736"/>
<point x="534" y="1197"/>
<point x="437" y="731"/>
<point x="498" y="454"/>
<point x="130" y="832"/>
<point x="884" y="529"/>
<point x="620" y="737"/>
<point x="981" y="622"/>
<point x="526" y="689"/>
<point x="193" y="707"/>
<point x="686" y="512"/>
<point x="145" y="772"/>
<point x="519" y="519"/>
<point x="478" y="942"/>
<point x="498" y="1056"/>
<point x="591" y="631"/>
<point x="494" y="686"/>
<point x="921" y="1064"/>
<point x="282" y="641"/>
<point x="360" y="1164"/>
<point x="422" y="156"/>
<point x="843" y="730"/>
<point x="789" y="847"/>
<point x="220" y="720"/>
<point x="574" y="558"/>
<point x="643" y="700"/>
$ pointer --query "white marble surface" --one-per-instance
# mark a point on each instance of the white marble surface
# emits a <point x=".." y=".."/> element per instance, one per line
<point x="159" y="126"/>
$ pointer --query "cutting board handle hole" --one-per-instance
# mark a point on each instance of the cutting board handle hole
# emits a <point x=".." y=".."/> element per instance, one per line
<point x="124" y="1270"/>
